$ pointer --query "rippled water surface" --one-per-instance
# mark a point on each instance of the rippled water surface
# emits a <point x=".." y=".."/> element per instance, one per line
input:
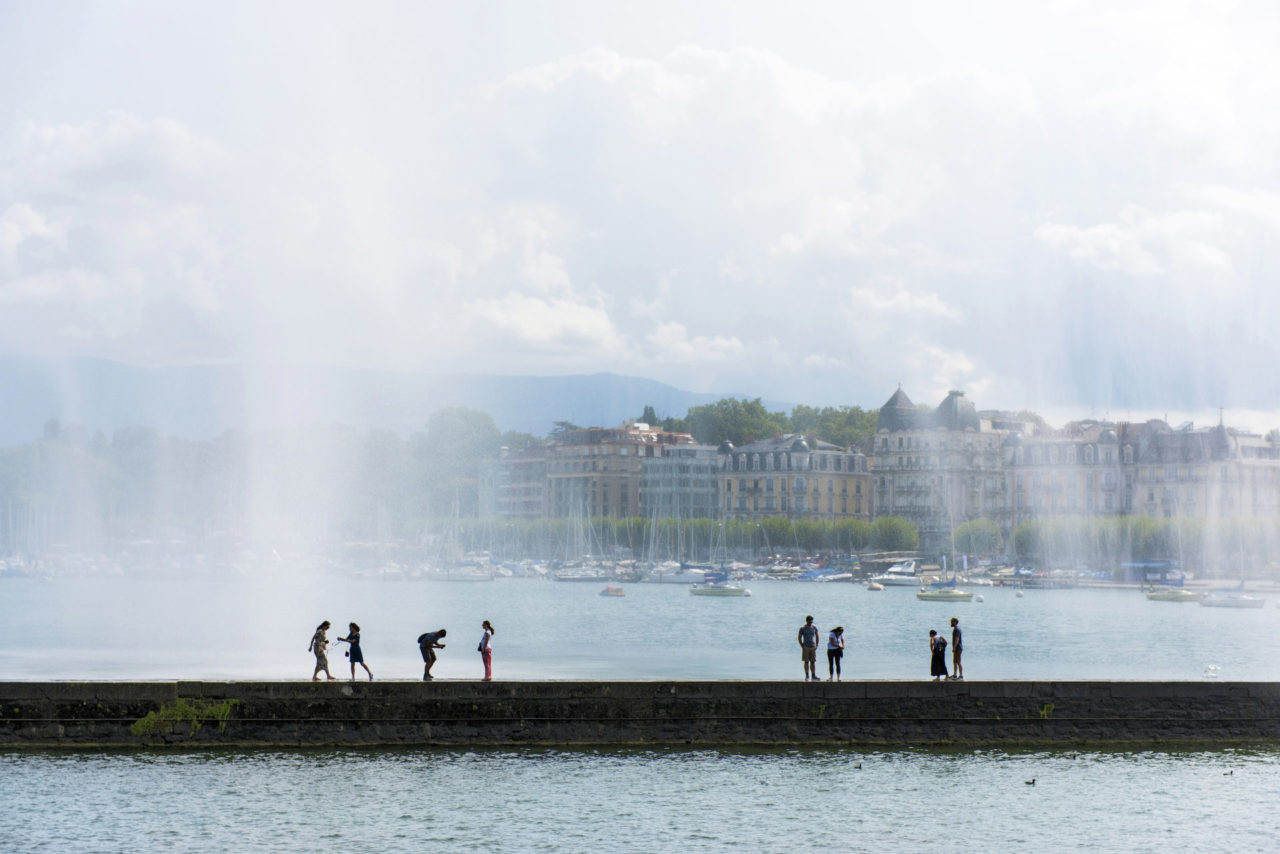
<point x="237" y="628"/>
<point x="640" y="801"/>
<point x="685" y="801"/>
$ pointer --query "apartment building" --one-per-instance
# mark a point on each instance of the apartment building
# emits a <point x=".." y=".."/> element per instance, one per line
<point x="1147" y="469"/>
<point x="681" y="483"/>
<point x="801" y="477"/>
<point x="939" y="467"/>
<point x="599" y="471"/>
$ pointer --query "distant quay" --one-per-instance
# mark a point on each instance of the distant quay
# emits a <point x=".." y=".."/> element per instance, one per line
<point x="466" y="713"/>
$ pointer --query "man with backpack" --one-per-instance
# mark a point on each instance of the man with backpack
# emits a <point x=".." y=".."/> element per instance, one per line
<point x="428" y="643"/>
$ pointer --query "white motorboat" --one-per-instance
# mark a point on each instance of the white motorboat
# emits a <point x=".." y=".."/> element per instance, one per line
<point x="899" y="575"/>
<point x="1233" y="600"/>
<point x="719" y="588"/>
<point x="943" y="594"/>
<point x="1174" y="594"/>
<point x="834" y="576"/>
<point x="673" y="573"/>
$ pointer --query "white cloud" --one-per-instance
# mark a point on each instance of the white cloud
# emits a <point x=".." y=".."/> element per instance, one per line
<point x="543" y="323"/>
<point x="893" y="300"/>
<point x="616" y="193"/>
<point x="1143" y="243"/>
<point x="18" y="223"/>
<point x="1256" y="202"/>
<point x="671" y="342"/>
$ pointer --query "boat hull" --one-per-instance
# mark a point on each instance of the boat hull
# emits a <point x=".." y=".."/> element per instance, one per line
<point x="1233" y="601"/>
<point x="713" y="590"/>
<point x="950" y="595"/>
<point x="1174" y="596"/>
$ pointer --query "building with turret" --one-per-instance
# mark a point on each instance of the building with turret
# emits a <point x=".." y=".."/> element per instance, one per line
<point x="939" y="467"/>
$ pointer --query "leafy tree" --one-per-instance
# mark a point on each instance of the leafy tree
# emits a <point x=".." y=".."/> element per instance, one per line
<point x="675" y="425"/>
<point x="456" y="442"/>
<point x="1026" y="543"/>
<point x="848" y="426"/>
<point x="977" y="536"/>
<point x="648" y="416"/>
<point x="894" y="534"/>
<point x="739" y="421"/>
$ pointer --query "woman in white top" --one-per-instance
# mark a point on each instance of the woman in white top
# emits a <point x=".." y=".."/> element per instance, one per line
<point x="486" y="649"/>
<point x="835" y="652"/>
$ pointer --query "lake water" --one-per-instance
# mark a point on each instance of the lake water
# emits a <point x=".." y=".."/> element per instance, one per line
<point x="639" y="801"/>
<point x="625" y="800"/>
<point x="236" y="629"/>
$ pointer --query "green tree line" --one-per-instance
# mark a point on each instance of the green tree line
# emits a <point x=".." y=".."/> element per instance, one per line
<point x="684" y="539"/>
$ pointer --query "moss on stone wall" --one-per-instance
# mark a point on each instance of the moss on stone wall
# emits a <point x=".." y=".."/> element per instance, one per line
<point x="195" y="712"/>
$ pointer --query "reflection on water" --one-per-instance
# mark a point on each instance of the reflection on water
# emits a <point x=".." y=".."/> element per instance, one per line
<point x="135" y="629"/>
<point x="640" y="800"/>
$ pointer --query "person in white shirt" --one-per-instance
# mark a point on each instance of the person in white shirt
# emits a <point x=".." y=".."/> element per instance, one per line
<point x="835" y="652"/>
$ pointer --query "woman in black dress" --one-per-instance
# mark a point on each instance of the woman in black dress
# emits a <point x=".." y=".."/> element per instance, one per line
<point x="938" y="662"/>
<point x="356" y="655"/>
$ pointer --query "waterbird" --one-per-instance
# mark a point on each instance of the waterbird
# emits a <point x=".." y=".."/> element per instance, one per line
<point x="1228" y="773"/>
<point x="858" y="766"/>
<point x="1030" y="782"/>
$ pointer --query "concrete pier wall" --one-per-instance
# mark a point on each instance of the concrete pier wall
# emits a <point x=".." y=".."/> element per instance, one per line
<point x="36" y="714"/>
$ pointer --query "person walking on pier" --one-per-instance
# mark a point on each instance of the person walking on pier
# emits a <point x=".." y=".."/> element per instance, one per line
<point x="355" y="653"/>
<point x="835" y="652"/>
<point x="807" y="637"/>
<point x="937" y="663"/>
<point x="428" y="643"/>
<point x="486" y="649"/>
<point x="320" y="643"/>
<point x="957" y="647"/>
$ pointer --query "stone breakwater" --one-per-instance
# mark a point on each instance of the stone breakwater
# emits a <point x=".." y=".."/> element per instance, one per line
<point x="251" y="714"/>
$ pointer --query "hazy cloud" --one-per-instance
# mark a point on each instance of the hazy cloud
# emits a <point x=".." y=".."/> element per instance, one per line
<point x="812" y="204"/>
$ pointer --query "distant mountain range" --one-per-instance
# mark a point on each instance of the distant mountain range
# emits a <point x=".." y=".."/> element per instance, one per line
<point x="203" y="401"/>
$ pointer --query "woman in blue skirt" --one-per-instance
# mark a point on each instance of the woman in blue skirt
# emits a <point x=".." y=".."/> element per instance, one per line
<point x="357" y="657"/>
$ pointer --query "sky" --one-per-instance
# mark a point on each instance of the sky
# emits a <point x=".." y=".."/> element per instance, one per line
<point x="1069" y="207"/>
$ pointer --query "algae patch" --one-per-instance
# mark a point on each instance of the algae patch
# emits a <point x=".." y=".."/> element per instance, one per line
<point x="195" y="712"/>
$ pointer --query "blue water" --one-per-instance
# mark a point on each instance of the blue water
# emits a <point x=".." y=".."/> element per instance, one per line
<point x="139" y="629"/>
<point x="624" y="800"/>
<point x="639" y="801"/>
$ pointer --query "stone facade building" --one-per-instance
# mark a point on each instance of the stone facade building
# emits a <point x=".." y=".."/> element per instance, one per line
<point x="681" y="483"/>
<point x="940" y="467"/>
<point x="801" y="477"/>
<point x="1148" y="469"/>
<point x="515" y="485"/>
<point x="598" y="471"/>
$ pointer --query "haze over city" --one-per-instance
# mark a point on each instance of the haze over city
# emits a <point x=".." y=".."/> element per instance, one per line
<point x="1070" y="207"/>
